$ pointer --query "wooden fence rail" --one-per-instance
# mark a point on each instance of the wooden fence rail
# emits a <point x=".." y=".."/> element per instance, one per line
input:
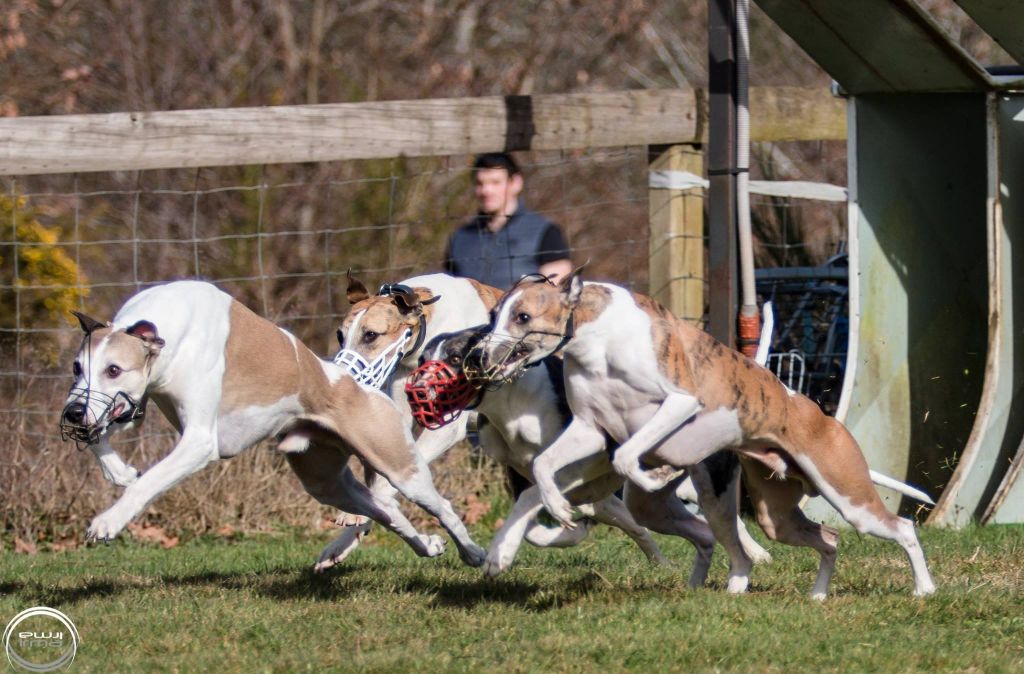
<point x="310" y="133"/>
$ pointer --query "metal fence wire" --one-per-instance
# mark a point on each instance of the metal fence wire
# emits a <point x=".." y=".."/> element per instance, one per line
<point x="279" y="238"/>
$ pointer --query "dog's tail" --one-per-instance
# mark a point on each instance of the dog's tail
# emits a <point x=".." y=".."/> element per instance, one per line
<point x="896" y="485"/>
<point x="767" y="325"/>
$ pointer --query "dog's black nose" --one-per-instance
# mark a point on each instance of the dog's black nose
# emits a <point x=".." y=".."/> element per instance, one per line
<point x="75" y="413"/>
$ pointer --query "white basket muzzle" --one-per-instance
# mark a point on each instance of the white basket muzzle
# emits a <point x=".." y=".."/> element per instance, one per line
<point x="375" y="373"/>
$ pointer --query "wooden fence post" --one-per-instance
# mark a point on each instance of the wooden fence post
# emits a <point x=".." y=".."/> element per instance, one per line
<point x="677" y="235"/>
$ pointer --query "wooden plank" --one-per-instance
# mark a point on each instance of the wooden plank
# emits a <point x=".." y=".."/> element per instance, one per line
<point x="796" y="113"/>
<point x="677" y="237"/>
<point x="345" y="131"/>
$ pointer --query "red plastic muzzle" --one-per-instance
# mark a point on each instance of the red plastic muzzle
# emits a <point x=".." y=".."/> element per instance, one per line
<point x="438" y="395"/>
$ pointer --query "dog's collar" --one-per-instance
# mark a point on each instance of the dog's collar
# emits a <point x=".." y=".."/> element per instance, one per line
<point x="390" y="289"/>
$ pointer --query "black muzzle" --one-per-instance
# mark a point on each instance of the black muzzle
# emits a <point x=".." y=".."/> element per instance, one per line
<point x="74" y="419"/>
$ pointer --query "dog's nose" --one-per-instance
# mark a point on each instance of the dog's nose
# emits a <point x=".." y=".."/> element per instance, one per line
<point x="75" y="413"/>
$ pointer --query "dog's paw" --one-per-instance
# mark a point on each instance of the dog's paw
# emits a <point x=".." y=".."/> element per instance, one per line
<point x="650" y="480"/>
<point x="473" y="555"/>
<point x="349" y="520"/>
<point x="340" y="548"/>
<point x="104" y="527"/>
<point x="560" y="509"/>
<point x="497" y="563"/>
<point x="737" y="584"/>
<point x="433" y="545"/>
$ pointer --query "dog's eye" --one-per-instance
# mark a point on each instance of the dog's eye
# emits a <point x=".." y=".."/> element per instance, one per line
<point x="455" y="359"/>
<point x="523" y="318"/>
<point x="76" y="369"/>
<point x="113" y="371"/>
<point x="369" y="336"/>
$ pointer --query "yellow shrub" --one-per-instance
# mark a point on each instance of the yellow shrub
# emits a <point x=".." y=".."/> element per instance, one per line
<point x="50" y="279"/>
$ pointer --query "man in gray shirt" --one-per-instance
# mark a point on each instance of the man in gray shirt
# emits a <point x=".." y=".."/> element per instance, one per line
<point x="505" y="240"/>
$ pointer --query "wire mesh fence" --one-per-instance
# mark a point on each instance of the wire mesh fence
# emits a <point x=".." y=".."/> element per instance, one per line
<point x="280" y="238"/>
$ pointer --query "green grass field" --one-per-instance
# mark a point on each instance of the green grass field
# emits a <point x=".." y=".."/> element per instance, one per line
<point x="251" y="604"/>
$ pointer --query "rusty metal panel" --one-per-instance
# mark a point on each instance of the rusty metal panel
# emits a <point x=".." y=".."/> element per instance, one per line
<point x="874" y="46"/>
<point x="998" y="424"/>
<point x="1002" y="19"/>
<point x="918" y="284"/>
<point x="1007" y="504"/>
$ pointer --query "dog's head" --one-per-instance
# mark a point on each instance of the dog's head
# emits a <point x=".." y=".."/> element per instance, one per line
<point x="382" y="330"/>
<point x="111" y="371"/>
<point x="532" y="321"/>
<point x="438" y="390"/>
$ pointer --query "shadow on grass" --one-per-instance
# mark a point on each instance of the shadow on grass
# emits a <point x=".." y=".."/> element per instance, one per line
<point x="447" y="592"/>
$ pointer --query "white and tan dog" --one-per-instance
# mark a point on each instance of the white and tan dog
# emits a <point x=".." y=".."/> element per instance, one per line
<point x="375" y="324"/>
<point x="227" y="379"/>
<point x="524" y="418"/>
<point x="672" y="395"/>
<point x="519" y="420"/>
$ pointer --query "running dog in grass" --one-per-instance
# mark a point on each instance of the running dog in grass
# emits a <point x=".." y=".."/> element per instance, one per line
<point x="227" y="379"/>
<point x="519" y="420"/>
<point x="670" y="394"/>
<point x="523" y="418"/>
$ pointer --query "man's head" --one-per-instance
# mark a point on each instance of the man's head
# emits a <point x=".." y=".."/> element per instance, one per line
<point x="497" y="183"/>
<point x="111" y="372"/>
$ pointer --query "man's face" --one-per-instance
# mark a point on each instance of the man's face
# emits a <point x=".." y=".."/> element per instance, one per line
<point x="495" y="190"/>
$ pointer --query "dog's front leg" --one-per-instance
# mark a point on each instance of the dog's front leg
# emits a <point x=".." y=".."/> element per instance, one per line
<point x="673" y="412"/>
<point x="507" y="541"/>
<point x="194" y="450"/>
<point x="115" y="470"/>
<point x="578" y="441"/>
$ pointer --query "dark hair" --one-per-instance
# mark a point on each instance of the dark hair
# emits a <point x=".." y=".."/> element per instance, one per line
<point x="494" y="160"/>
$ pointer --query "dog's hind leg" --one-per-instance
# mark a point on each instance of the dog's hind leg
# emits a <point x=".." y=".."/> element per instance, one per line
<point x="777" y="508"/>
<point x="717" y="483"/>
<point x="326" y="477"/>
<point x="663" y="512"/>
<point x="755" y="551"/>
<point x="417" y="485"/>
<point x="613" y="512"/>
<point x="832" y="461"/>
<point x="429" y="445"/>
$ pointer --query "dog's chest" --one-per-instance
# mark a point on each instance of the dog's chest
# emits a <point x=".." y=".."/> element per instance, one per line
<point x="610" y="403"/>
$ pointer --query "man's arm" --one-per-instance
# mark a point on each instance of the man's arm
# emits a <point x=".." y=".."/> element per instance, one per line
<point x="553" y="257"/>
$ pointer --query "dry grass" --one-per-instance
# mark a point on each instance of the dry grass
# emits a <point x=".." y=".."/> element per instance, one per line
<point x="50" y="491"/>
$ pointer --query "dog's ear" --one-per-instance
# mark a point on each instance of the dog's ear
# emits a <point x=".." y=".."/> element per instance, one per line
<point x="572" y="286"/>
<point x="356" y="290"/>
<point x="88" y="323"/>
<point x="147" y="332"/>
<point x="407" y="302"/>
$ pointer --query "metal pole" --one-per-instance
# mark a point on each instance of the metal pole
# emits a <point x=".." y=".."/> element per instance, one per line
<point x="721" y="158"/>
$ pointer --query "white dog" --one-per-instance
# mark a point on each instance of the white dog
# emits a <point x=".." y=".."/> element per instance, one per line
<point x="524" y="418"/>
<point x="669" y="394"/>
<point x="227" y="379"/>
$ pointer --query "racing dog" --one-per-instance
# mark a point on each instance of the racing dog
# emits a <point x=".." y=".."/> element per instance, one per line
<point x="381" y="340"/>
<point x="227" y="379"/>
<point x="670" y="394"/>
<point x="522" y="418"/>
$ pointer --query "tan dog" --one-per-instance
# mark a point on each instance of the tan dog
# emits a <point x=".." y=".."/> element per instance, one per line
<point x="405" y="316"/>
<point x="672" y="395"/>
<point x="227" y="379"/>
